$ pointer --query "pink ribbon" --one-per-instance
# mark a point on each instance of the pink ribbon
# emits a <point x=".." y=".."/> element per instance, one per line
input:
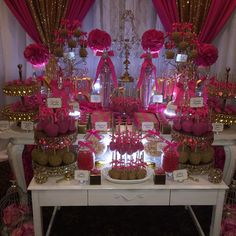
<point x="147" y="63"/>
<point x="86" y="144"/>
<point x="105" y="59"/>
<point x="94" y="133"/>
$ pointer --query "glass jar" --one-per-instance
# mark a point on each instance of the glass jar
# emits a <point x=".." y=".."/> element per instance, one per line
<point x="85" y="159"/>
<point x="169" y="161"/>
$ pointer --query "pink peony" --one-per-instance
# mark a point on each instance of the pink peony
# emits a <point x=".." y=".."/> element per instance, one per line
<point x="153" y="40"/>
<point x="27" y="229"/>
<point x="207" y="55"/>
<point x="36" y="54"/>
<point x="99" y="40"/>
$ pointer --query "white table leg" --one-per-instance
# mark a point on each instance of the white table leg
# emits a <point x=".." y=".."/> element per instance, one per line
<point x="217" y="214"/>
<point x="37" y="214"/>
<point x="15" y="160"/>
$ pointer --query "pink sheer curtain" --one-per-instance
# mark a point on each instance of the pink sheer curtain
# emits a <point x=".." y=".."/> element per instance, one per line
<point x="167" y="11"/>
<point x="218" y="14"/>
<point x="21" y="12"/>
<point x="77" y="9"/>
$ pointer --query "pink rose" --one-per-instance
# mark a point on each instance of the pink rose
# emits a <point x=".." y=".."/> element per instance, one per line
<point x="153" y="40"/>
<point x="27" y="229"/>
<point x="99" y="40"/>
<point x="36" y="54"/>
<point x="11" y="214"/>
<point x="207" y="55"/>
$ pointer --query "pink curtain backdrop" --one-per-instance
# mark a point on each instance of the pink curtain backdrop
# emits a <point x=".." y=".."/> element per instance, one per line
<point x="218" y="14"/>
<point x="77" y="9"/>
<point x="20" y="10"/>
<point x="167" y="11"/>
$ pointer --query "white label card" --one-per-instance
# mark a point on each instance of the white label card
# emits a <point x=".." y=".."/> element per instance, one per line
<point x="95" y="98"/>
<point x="181" y="58"/>
<point x="180" y="175"/>
<point x="82" y="175"/>
<point x="196" y="102"/>
<point x="54" y="103"/>
<point x="217" y="127"/>
<point x="171" y="107"/>
<point x="157" y="98"/>
<point x="101" y="126"/>
<point x="75" y="106"/>
<point x="4" y="124"/>
<point x="27" y="125"/>
<point x="147" y="126"/>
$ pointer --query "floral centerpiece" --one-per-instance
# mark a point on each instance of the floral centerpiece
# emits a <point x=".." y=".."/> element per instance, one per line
<point x="36" y="54"/>
<point x="152" y="42"/>
<point x="17" y="221"/>
<point x="100" y="42"/>
<point x="15" y="213"/>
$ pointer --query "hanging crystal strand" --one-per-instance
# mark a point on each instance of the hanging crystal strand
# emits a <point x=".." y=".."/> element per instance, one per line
<point x="106" y="86"/>
<point x="146" y="88"/>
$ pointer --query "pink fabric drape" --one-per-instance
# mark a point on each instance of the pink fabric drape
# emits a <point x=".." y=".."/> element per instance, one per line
<point x="167" y="11"/>
<point x="77" y="9"/>
<point x="21" y="12"/>
<point x="218" y="14"/>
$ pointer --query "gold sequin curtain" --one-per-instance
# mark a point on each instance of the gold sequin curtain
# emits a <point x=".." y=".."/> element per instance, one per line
<point x="193" y="11"/>
<point x="47" y="15"/>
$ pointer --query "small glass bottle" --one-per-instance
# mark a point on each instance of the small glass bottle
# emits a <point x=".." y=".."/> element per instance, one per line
<point x="106" y="86"/>
<point x="146" y="88"/>
<point x="85" y="159"/>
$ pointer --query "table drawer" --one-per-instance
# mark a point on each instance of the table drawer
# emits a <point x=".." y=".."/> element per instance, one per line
<point x="63" y="198"/>
<point x="128" y="197"/>
<point x="193" y="197"/>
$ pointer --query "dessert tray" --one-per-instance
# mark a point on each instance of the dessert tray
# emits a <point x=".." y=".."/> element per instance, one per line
<point x="119" y="181"/>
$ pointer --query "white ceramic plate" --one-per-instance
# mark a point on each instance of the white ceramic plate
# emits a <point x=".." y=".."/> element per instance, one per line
<point x="119" y="181"/>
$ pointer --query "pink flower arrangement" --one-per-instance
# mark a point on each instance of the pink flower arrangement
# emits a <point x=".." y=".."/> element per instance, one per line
<point x="13" y="213"/>
<point x="36" y="54"/>
<point x="27" y="229"/>
<point x="207" y="55"/>
<point x="99" y="40"/>
<point x="153" y="40"/>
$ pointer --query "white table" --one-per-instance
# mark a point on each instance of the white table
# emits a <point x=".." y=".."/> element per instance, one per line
<point x="19" y="138"/>
<point x="70" y="193"/>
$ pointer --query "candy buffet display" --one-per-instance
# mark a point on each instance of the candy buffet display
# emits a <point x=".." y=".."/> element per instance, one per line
<point x="123" y="128"/>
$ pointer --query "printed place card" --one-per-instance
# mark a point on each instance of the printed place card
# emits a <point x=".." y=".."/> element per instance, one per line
<point x="101" y="126"/>
<point x="147" y="126"/>
<point x="95" y="98"/>
<point x="171" y="107"/>
<point x="181" y="58"/>
<point x="4" y="125"/>
<point x="217" y="127"/>
<point x="27" y="125"/>
<point x="180" y="175"/>
<point x="54" y="103"/>
<point x="157" y="98"/>
<point x="75" y="106"/>
<point x="82" y="176"/>
<point x="196" y="102"/>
